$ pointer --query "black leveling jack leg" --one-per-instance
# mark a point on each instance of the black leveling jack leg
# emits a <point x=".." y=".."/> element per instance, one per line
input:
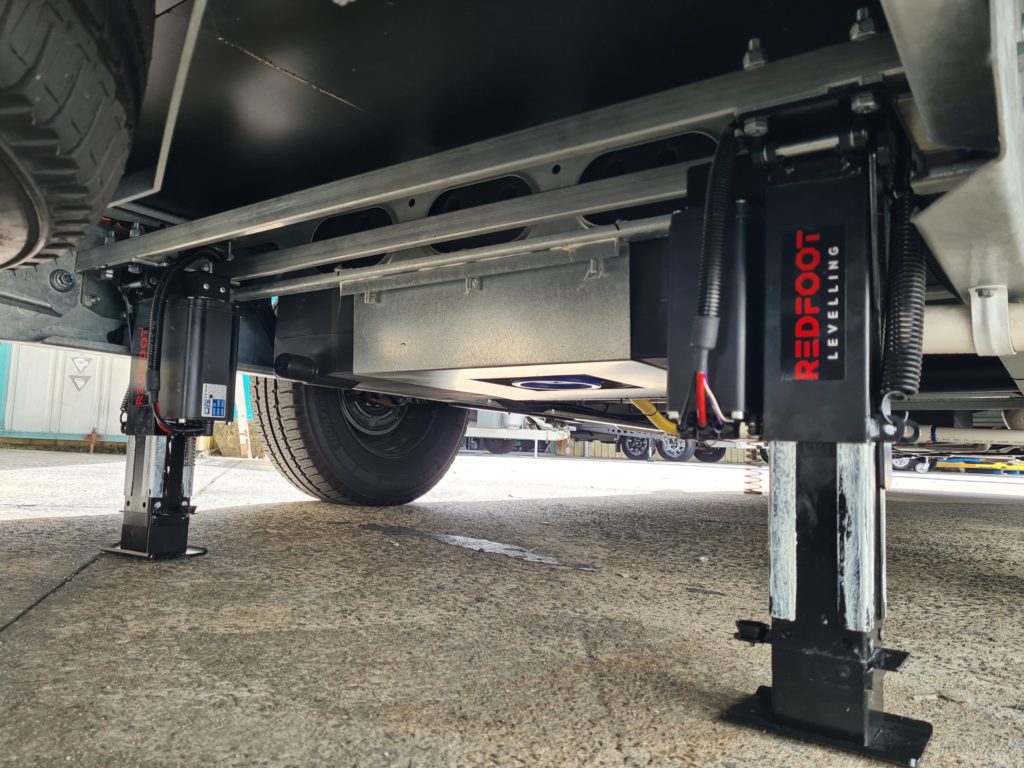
<point x="157" y="496"/>
<point x="827" y="597"/>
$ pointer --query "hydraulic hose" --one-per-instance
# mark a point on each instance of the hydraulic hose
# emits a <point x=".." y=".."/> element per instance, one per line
<point x="713" y="242"/>
<point x="648" y="409"/>
<point x="904" y="313"/>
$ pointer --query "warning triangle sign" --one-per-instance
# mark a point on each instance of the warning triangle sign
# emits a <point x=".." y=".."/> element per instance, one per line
<point x="79" y="381"/>
<point x="81" y="362"/>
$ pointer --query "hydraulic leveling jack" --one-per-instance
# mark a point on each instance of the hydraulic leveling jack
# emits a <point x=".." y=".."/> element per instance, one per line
<point x="183" y="380"/>
<point x="799" y="223"/>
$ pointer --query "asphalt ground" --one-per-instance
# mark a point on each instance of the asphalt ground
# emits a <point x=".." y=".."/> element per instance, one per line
<point x="534" y="612"/>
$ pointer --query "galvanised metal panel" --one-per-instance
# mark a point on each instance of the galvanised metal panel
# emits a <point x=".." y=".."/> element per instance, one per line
<point x="555" y="315"/>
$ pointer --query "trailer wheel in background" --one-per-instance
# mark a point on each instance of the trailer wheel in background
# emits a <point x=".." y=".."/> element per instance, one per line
<point x="709" y="455"/>
<point x="903" y="463"/>
<point x="636" y="448"/>
<point x="495" y="445"/>
<point x="675" y="448"/>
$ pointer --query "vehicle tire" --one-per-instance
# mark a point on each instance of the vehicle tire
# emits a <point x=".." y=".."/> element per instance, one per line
<point x="923" y="466"/>
<point x="526" y="446"/>
<point x="903" y="463"/>
<point x="72" y="78"/>
<point x="338" y="446"/>
<point x="709" y="455"/>
<point x="499" y="446"/>
<point x="675" y="448"/>
<point x="636" y="448"/>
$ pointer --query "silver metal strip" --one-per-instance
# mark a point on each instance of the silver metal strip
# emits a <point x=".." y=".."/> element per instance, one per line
<point x="782" y="529"/>
<point x="706" y="104"/>
<point x="856" y="536"/>
<point x="883" y="574"/>
<point x="189" y="467"/>
<point x="488" y="260"/>
<point x="148" y="181"/>
<point x="619" y="192"/>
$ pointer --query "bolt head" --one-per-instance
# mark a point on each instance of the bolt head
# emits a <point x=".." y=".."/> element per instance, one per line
<point x="755" y="126"/>
<point x="864" y="27"/>
<point x="864" y="103"/>
<point x="755" y="58"/>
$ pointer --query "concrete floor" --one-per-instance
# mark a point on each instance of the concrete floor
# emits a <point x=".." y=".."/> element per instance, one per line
<point x="304" y="638"/>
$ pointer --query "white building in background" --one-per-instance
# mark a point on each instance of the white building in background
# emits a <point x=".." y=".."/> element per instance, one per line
<point x="56" y="394"/>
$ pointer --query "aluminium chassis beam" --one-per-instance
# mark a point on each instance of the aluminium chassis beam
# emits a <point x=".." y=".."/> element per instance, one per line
<point x="703" y="105"/>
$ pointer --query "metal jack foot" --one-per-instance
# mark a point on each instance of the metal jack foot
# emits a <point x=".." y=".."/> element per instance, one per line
<point x="190" y="551"/>
<point x="827" y="597"/>
<point x="158" y="486"/>
<point x="897" y="739"/>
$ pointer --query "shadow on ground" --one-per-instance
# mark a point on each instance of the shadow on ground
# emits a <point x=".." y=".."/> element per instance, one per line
<point x="304" y="638"/>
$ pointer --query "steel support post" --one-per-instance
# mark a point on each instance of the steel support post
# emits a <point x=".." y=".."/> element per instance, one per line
<point x="157" y="496"/>
<point x="828" y="602"/>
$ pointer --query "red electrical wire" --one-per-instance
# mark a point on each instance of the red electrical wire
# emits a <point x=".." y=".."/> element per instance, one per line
<point x="159" y="421"/>
<point x="702" y="408"/>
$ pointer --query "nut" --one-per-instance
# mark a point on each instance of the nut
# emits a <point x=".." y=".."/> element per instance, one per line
<point x="864" y="103"/>
<point x="756" y="56"/>
<point x="864" y="26"/>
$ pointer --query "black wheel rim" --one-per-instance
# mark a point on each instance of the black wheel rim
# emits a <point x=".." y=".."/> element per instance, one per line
<point x="673" y="446"/>
<point x="383" y="426"/>
<point x="635" y="445"/>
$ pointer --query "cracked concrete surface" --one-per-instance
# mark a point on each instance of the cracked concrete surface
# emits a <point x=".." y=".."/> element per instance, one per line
<point x="304" y="638"/>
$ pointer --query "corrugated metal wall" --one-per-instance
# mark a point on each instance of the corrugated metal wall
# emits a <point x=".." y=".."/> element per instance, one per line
<point x="55" y="394"/>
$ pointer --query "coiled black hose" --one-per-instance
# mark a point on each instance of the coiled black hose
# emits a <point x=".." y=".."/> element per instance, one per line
<point x="713" y="241"/>
<point x="904" y="312"/>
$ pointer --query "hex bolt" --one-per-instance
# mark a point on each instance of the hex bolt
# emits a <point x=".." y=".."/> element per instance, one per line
<point x="135" y="230"/>
<point x="864" y="103"/>
<point x="106" y="274"/>
<point x="755" y="127"/>
<point x="91" y="300"/>
<point x="157" y="504"/>
<point x="223" y="289"/>
<point x="864" y="26"/>
<point x="206" y="286"/>
<point x="62" y="280"/>
<point x="756" y="56"/>
<point x="986" y="293"/>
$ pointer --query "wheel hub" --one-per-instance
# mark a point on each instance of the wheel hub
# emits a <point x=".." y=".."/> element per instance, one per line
<point x="372" y="415"/>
